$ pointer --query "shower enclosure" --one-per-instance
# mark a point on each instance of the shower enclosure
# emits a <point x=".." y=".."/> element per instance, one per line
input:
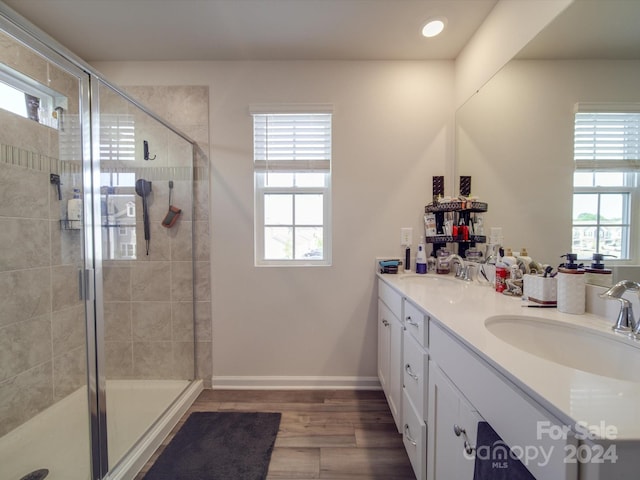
<point x="97" y="351"/>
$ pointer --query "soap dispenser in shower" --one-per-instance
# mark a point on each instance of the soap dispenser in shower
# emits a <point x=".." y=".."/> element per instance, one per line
<point x="74" y="211"/>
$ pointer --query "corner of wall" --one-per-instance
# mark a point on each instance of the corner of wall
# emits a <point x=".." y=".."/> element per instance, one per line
<point x="507" y="28"/>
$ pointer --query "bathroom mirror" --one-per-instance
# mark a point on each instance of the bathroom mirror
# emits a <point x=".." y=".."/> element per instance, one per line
<point x="515" y="136"/>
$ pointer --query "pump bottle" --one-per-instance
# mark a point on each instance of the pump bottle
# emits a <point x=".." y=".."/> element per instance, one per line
<point x="421" y="260"/>
<point x="74" y="211"/>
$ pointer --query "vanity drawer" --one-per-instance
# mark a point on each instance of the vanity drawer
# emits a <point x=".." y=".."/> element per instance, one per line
<point x="391" y="298"/>
<point x="414" y="374"/>
<point x="414" y="437"/>
<point x="417" y="323"/>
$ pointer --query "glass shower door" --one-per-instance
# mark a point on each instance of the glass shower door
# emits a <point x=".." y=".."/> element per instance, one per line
<point x="147" y="267"/>
<point x="45" y="270"/>
<point x="96" y="267"/>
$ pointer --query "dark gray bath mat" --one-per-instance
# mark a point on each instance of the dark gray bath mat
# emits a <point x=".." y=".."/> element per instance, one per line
<point x="219" y="446"/>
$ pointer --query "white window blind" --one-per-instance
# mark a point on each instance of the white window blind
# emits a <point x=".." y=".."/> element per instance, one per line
<point x="607" y="140"/>
<point x="292" y="142"/>
<point x="117" y="137"/>
<point x="70" y="138"/>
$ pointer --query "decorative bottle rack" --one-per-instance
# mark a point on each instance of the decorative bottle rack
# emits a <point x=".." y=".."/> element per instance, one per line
<point x="464" y="209"/>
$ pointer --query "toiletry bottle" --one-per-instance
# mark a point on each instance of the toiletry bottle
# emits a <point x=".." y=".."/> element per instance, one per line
<point x="502" y="273"/>
<point x="421" y="260"/>
<point x="509" y="258"/>
<point x="524" y="261"/>
<point x="571" y="286"/>
<point x="74" y="210"/>
<point x="442" y="265"/>
<point x="463" y="231"/>
<point x="597" y="274"/>
<point x="524" y="255"/>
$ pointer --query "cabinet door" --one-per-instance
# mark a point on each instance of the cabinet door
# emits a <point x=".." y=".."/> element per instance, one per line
<point x="452" y="430"/>
<point x="384" y="345"/>
<point x="395" y="371"/>
<point x="390" y="360"/>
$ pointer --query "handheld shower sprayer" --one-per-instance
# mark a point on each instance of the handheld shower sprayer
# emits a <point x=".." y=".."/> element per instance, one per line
<point x="143" y="188"/>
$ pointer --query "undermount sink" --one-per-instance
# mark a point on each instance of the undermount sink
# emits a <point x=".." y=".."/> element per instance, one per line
<point x="427" y="276"/>
<point x="601" y="353"/>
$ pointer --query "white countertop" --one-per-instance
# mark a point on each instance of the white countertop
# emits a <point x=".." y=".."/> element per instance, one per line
<point x="569" y="394"/>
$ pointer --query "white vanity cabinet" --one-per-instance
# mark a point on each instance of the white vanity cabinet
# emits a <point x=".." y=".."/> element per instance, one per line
<point x="390" y="349"/>
<point x="439" y="387"/>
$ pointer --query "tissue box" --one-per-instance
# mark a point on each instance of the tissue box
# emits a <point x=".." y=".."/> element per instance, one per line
<point x="539" y="289"/>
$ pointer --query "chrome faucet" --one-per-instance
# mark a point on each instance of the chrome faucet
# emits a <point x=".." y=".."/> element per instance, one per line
<point x="625" y="322"/>
<point x="493" y="253"/>
<point x="462" y="269"/>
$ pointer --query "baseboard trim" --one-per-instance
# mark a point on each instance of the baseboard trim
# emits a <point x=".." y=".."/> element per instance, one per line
<point x="294" y="383"/>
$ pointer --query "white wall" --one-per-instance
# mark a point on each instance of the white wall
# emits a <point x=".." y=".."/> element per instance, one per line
<point x="515" y="138"/>
<point x="392" y="133"/>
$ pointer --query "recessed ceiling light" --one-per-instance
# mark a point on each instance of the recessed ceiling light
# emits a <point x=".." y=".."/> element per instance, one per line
<point x="434" y="27"/>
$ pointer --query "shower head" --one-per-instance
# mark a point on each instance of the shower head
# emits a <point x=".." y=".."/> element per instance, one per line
<point x="143" y="187"/>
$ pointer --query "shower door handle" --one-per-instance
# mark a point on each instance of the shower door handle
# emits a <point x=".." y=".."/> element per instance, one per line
<point x="85" y="284"/>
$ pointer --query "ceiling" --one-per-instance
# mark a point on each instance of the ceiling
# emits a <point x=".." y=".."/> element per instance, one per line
<point x="603" y="29"/>
<point x="138" y="30"/>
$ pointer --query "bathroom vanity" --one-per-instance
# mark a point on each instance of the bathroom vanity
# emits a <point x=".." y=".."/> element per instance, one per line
<point x="561" y="390"/>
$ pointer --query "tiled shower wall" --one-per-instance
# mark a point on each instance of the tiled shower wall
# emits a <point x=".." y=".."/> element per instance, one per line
<point x="42" y="333"/>
<point x="148" y="309"/>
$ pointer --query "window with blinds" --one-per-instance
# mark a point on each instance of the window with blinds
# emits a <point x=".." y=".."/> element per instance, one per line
<point x="117" y="137"/>
<point x="292" y="174"/>
<point x="607" y="141"/>
<point x="607" y="159"/>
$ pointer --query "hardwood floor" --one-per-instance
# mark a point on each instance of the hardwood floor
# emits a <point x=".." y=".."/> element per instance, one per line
<point x="325" y="434"/>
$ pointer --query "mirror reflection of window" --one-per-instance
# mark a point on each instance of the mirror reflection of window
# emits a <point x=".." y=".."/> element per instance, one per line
<point x="607" y="158"/>
<point x="117" y="137"/>
<point x="118" y="215"/>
